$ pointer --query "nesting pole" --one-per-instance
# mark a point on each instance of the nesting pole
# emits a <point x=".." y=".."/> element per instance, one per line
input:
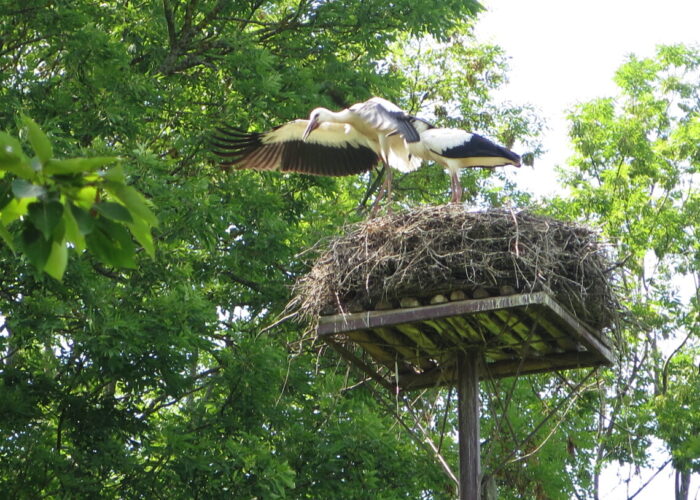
<point x="469" y="439"/>
<point x="442" y="297"/>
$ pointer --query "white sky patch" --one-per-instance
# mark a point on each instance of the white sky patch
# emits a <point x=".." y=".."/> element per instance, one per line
<point x="564" y="53"/>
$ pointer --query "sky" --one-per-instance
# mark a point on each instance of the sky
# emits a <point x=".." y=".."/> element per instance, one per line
<point x="566" y="52"/>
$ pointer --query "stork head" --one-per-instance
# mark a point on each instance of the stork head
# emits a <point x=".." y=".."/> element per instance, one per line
<point x="315" y="120"/>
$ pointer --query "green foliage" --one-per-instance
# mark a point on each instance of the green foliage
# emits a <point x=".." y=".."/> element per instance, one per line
<point x="56" y="204"/>
<point x="678" y="411"/>
<point x="637" y="156"/>
<point x="146" y="378"/>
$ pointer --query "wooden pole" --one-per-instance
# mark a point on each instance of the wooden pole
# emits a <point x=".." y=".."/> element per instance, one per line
<point x="468" y="411"/>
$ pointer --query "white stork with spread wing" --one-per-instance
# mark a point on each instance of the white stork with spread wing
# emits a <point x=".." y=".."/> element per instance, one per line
<point x="380" y="121"/>
<point x="346" y="142"/>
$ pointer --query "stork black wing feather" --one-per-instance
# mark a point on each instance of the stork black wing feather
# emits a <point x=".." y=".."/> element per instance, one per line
<point x="404" y="126"/>
<point x="332" y="153"/>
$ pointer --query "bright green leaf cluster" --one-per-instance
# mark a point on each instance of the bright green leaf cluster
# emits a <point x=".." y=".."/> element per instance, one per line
<point x="48" y="206"/>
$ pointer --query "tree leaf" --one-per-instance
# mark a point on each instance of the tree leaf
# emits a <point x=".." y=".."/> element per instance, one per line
<point x="111" y="244"/>
<point x="35" y="246"/>
<point x="85" y="221"/>
<point x="57" y="260"/>
<point x="114" y="211"/>
<point x="141" y="232"/>
<point x="45" y="216"/>
<point x="7" y="237"/>
<point x="38" y="139"/>
<point x="24" y="189"/>
<point x="133" y="200"/>
<point x="115" y="174"/>
<point x="13" y="159"/>
<point x="86" y="196"/>
<point x="15" y="209"/>
<point x="77" y="165"/>
<point x="73" y="233"/>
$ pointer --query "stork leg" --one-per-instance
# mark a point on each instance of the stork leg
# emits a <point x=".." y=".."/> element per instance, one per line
<point x="388" y="183"/>
<point x="385" y="190"/>
<point x="456" y="188"/>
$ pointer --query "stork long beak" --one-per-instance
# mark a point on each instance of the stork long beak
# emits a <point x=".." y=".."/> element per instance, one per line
<point x="313" y="125"/>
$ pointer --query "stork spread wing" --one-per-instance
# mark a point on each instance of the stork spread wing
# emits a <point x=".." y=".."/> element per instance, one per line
<point x="387" y="116"/>
<point x="334" y="149"/>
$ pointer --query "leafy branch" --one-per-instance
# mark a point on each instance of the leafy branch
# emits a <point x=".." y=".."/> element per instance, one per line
<point x="50" y="205"/>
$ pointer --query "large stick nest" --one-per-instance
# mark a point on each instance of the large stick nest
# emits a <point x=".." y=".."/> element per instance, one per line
<point x="436" y="250"/>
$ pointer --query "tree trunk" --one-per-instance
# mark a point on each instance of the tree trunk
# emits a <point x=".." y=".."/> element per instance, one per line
<point x="682" y="484"/>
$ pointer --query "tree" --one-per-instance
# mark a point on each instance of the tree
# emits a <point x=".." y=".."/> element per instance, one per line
<point x="153" y="379"/>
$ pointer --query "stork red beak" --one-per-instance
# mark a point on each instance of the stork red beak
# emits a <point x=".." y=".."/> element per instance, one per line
<point x="313" y="125"/>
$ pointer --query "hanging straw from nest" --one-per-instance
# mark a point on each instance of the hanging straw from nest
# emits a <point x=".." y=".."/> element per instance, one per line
<point x="431" y="250"/>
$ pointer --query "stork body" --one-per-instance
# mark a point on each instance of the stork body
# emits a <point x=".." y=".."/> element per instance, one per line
<point x="456" y="149"/>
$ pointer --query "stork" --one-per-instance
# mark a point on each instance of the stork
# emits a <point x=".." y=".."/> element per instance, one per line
<point x="381" y="121"/>
<point x="456" y="149"/>
<point x="346" y="142"/>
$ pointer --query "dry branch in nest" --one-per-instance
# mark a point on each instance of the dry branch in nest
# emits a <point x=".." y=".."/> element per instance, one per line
<point x="437" y="250"/>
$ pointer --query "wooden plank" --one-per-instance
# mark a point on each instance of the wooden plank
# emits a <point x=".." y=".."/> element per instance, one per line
<point x="596" y="343"/>
<point x="447" y="375"/>
<point x="468" y="415"/>
<point x="539" y="314"/>
<point x="399" y="343"/>
<point x="465" y="329"/>
<point x="499" y="333"/>
<point x="446" y="331"/>
<point x="501" y="337"/>
<point x="421" y="340"/>
<point x="527" y="334"/>
<point x="369" y="343"/>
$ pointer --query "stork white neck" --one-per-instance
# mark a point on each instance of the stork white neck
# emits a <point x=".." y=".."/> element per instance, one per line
<point x="347" y="116"/>
<point x="326" y="115"/>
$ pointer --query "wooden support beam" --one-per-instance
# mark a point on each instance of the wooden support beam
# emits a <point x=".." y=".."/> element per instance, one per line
<point x="499" y="369"/>
<point x="468" y="411"/>
<point x="349" y="356"/>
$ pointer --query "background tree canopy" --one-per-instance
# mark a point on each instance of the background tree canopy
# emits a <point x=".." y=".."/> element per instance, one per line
<point x="153" y="379"/>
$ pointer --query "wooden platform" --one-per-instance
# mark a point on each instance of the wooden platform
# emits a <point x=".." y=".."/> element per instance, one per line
<point x="515" y="335"/>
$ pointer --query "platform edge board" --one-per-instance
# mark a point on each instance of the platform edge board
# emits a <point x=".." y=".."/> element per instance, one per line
<point x="596" y="343"/>
<point x="339" y="323"/>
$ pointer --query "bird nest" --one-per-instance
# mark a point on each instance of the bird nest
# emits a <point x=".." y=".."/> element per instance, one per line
<point x="440" y="250"/>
